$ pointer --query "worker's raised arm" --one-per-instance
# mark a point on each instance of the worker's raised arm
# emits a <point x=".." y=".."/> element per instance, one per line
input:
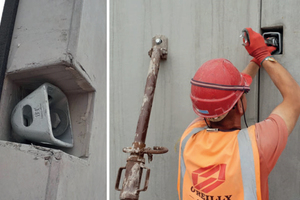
<point x="251" y="69"/>
<point x="254" y="65"/>
<point x="289" y="109"/>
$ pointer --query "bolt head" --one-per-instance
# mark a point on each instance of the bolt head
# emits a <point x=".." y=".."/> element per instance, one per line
<point x="55" y="120"/>
<point x="158" y="41"/>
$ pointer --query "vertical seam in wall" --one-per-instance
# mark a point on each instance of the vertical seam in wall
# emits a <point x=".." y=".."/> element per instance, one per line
<point x="260" y="13"/>
<point x="75" y="21"/>
<point x="53" y="178"/>
<point x="259" y="72"/>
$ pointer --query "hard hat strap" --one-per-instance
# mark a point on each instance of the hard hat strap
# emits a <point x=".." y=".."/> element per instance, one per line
<point x="244" y="113"/>
<point x="206" y="123"/>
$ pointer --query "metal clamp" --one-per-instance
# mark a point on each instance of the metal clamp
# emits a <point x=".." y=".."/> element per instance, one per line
<point x="156" y="150"/>
<point x="146" y="178"/>
<point x="119" y="178"/>
<point x="160" y="42"/>
<point x="44" y="117"/>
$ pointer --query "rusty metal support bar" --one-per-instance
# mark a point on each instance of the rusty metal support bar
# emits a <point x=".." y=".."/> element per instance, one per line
<point x="136" y="161"/>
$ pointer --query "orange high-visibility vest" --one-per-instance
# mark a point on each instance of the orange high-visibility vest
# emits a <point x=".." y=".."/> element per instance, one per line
<point x="217" y="165"/>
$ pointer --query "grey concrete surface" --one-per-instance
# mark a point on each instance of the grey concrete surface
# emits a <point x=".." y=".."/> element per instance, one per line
<point x="47" y="50"/>
<point x="284" y="180"/>
<point x="197" y="31"/>
<point x="62" y="42"/>
<point x="19" y="165"/>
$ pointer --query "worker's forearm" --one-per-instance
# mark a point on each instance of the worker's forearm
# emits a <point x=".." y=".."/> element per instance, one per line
<point x="283" y="80"/>
<point x="251" y="69"/>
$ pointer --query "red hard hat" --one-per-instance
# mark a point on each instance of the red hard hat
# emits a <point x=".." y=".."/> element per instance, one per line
<point x="216" y="87"/>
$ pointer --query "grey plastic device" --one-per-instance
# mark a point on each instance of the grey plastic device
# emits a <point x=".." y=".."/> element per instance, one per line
<point x="44" y="117"/>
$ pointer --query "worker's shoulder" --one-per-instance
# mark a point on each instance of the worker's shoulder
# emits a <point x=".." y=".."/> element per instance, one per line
<point x="272" y="125"/>
<point x="273" y="120"/>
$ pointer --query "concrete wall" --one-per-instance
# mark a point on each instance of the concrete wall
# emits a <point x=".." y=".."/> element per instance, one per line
<point x="62" y="42"/>
<point x="284" y="181"/>
<point x="197" y="31"/>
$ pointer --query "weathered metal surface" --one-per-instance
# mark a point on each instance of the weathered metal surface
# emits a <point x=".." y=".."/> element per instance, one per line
<point x="132" y="180"/>
<point x="136" y="162"/>
<point x="159" y="51"/>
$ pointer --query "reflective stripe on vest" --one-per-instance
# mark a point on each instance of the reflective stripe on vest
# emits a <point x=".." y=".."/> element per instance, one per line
<point x="247" y="165"/>
<point x="246" y="161"/>
<point x="182" y="164"/>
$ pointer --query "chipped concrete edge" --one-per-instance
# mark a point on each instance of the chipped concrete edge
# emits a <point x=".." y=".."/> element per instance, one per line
<point x="70" y="61"/>
<point x="41" y="152"/>
<point x="53" y="159"/>
<point x="73" y="66"/>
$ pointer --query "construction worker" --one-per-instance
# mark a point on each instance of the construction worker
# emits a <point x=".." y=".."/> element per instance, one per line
<point x="217" y="159"/>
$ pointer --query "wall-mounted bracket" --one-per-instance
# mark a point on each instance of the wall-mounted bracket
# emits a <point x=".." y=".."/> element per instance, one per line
<point x="44" y="117"/>
<point x="274" y="39"/>
<point x="160" y="43"/>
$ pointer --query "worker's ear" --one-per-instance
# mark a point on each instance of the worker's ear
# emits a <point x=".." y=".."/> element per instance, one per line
<point x="240" y="106"/>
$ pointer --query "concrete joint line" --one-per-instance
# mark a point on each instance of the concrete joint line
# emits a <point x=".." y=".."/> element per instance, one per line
<point x="53" y="178"/>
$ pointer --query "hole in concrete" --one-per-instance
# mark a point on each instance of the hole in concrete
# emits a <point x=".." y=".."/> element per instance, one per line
<point x="274" y="37"/>
<point x="80" y="98"/>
